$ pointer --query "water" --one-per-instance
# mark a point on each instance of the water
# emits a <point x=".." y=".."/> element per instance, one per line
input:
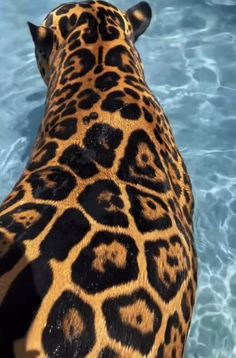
<point x="189" y="53"/>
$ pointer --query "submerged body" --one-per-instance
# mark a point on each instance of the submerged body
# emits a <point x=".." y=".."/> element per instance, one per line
<point x="96" y="246"/>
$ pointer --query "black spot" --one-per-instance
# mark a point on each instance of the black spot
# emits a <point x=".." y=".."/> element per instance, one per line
<point x="172" y="205"/>
<point x="102" y="200"/>
<point x="147" y="115"/>
<point x="74" y="36"/>
<point x="73" y="46"/>
<point x="95" y="279"/>
<point x="90" y="34"/>
<point x="177" y="189"/>
<point x="70" y="108"/>
<point x="84" y="60"/>
<point x="11" y="257"/>
<point x="88" y="98"/>
<point x="187" y="215"/>
<point x="102" y="140"/>
<point x="173" y="354"/>
<point x="146" y="101"/>
<point x="98" y="69"/>
<point x="174" y="166"/>
<point x="160" y="353"/>
<point x="187" y="196"/>
<point x="86" y="120"/>
<point x="134" y="82"/>
<point x="15" y="196"/>
<point x="157" y="267"/>
<point x="186" y="234"/>
<point x="158" y="134"/>
<point x="76" y="344"/>
<point x="150" y="212"/>
<point x="64" y="9"/>
<point x="175" y="154"/>
<point x="173" y="322"/>
<point x="131" y="111"/>
<point x="139" y="319"/>
<point x="166" y="277"/>
<point x="51" y="183"/>
<point x="144" y="158"/>
<point x="183" y="337"/>
<point x="64" y="129"/>
<point x="113" y="101"/>
<point x="133" y="170"/>
<point x="106" y="81"/>
<point x="108" y="353"/>
<point x="131" y="93"/>
<point x="185" y="307"/>
<point x="118" y="56"/>
<point x="187" y="303"/>
<point x="27" y="220"/>
<point x="53" y="114"/>
<point x="100" y="54"/>
<point x="93" y="115"/>
<point x="69" y="89"/>
<point x="125" y="333"/>
<point x="176" y="240"/>
<point x="186" y="177"/>
<point x="80" y="161"/>
<point x="172" y="260"/>
<point x="151" y="205"/>
<point x="50" y="122"/>
<point x="192" y="292"/>
<point x="64" y="26"/>
<point x="42" y="156"/>
<point x="72" y="19"/>
<point x="22" y="302"/>
<point x="69" y="230"/>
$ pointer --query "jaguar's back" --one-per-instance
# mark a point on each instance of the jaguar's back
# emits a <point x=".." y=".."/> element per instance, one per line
<point x="96" y="245"/>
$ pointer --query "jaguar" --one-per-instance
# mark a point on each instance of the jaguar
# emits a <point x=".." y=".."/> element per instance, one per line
<point x="97" y="255"/>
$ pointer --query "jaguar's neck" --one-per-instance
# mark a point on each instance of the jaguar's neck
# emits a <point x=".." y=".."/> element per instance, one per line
<point x="89" y="78"/>
<point x="73" y="63"/>
<point x="97" y="84"/>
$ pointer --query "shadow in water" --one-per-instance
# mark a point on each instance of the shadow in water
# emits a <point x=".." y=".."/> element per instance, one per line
<point x="33" y="119"/>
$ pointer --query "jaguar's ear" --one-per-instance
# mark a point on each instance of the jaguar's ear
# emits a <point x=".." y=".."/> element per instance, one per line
<point x="140" y="17"/>
<point x="43" y="39"/>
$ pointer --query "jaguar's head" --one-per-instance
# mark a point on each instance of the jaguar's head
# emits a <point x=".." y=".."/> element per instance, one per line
<point x="86" y="24"/>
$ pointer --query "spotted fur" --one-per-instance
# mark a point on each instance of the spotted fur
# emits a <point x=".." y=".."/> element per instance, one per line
<point x="96" y="240"/>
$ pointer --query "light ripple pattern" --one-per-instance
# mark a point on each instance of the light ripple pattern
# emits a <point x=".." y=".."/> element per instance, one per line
<point x="189" y="54"/>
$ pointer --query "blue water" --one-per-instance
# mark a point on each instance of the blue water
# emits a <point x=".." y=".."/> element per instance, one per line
<point x="189" y="53"/>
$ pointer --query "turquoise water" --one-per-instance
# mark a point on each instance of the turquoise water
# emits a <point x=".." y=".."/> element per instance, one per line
<point x="189" y="53"/>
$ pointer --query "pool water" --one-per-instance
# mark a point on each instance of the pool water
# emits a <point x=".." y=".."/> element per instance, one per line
<point x="189" y="54"/>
